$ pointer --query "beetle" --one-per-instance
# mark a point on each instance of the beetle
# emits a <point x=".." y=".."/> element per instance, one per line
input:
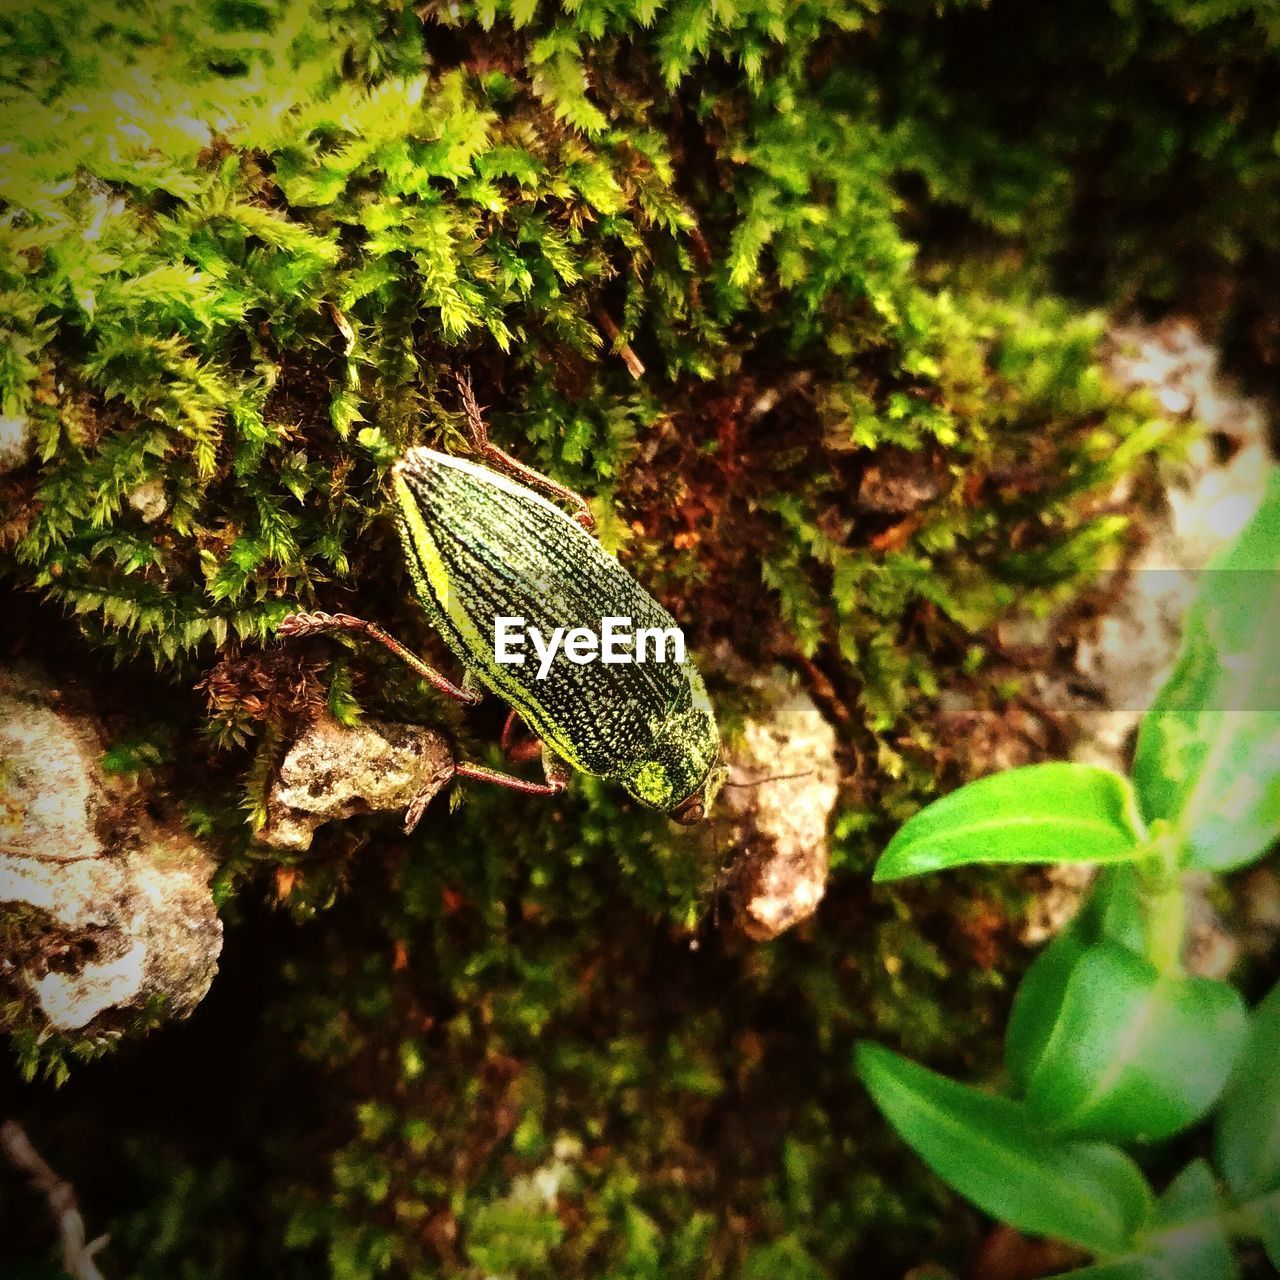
<point x="482" y="543"/>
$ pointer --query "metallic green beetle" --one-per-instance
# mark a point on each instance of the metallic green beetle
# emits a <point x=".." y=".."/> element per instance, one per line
<point x="480" y="545"/>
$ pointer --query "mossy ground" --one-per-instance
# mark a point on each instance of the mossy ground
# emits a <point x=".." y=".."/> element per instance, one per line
<point x="243" y="248"/>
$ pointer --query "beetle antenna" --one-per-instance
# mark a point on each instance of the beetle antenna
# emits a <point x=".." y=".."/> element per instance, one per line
<point x="777" y="777"/>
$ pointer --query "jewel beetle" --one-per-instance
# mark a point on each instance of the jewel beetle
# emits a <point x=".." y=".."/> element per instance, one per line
<point x="482" y="544"/>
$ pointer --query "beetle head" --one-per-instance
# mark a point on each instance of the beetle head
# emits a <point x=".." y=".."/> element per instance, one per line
<point x="697" y="804"/>
<point x="680" y="774"/>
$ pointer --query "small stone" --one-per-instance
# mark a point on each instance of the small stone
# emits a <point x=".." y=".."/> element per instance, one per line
<point x="17" y="441"/>
<point x="956" y="702"/>
<point x="1064" y="886"/>
<point x="53" y="803"/>
<point x="149" y="500"/>
<point x="780" y="826"/>
<point x="332" y="773"/>
<point x="1027" y="630"/>
<point x="1210" y="949"/>
<point x="1261" y="902"/>
<point x="898" y="481"/>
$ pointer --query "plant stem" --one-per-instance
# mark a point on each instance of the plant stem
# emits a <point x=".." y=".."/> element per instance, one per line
<point x="1164" y="904"/>
<point x="1248" y="1221"/>
<point x="1165" y="927"/>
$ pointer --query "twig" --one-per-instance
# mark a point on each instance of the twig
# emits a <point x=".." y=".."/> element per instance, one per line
<point x="611" y="331"/>
<point x="343" y="325"/>
<point x="77" y="1256"/>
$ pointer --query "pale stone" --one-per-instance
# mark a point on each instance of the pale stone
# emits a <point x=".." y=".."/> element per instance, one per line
<point x="149" y="500"/>
<point x="781" y="825"/>
<point x="1207" y="501"/>
<point x="17" y="441"/>
<point x="122" y="908"/>
<point x="331" y="773"/>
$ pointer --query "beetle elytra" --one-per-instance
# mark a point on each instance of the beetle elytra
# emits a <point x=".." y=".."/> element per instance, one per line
<point x="481" y="545"/>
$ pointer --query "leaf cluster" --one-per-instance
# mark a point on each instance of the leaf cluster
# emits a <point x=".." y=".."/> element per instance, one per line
<point x="1109" y="1042"/>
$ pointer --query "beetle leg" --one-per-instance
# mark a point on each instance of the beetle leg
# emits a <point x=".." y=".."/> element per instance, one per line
<point x="556" y="770"/>
<point x="518" y="752"/>
<point x="505" y="741"/>
<point x="503" y="461"/>
<point x="308" y="624"/>
<point x="418" y="805"/>
<point x="413" y="814"/>
<point x="521" y="752"/>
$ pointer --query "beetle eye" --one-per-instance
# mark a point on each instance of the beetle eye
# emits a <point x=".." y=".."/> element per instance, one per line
<point x="690" y="810"/>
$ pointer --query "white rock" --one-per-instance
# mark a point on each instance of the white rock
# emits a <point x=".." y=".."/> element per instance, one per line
<point x="1208" y="501"/>
<point x="17" y="441"/>
<point x="119" y="904"/>
<point x="781" y="826"/>
<point x="149" y="500"/>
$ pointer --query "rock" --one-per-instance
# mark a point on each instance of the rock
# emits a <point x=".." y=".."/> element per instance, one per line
<point x="17" y="441"/>
<point x="56" y="803"/>
<point x="104" y="907"/>
<point x="1061" y="889"/>
<point x="331" y="773"/>
<point x="780" y="826"/>
<point x="1210" y="949"/>
<point x="1209" y="498"/>
<point x="1261" y="903"/>
<point x="149" y="500"/>
<point x="899" y="481"/>
<point x="987" y="740"/>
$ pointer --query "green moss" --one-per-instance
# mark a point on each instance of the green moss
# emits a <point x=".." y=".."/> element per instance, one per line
<point x="1130" y="145"/>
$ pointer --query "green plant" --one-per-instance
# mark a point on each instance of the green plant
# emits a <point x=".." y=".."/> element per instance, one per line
<point x="1109" y="1042"/>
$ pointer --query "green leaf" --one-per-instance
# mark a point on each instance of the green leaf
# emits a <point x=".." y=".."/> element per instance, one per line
<point x="1057" y="812"/>
<point x="1134" y="1054"/>
<point x="1037" y="1005"/>
<point x="1188" y="1239"/>
<point x="1263" y="1217"/>
<point x="1191" y="1195"/>
<point x="992" y="1152"/>
<point x="1113" y="910"/>
<point x="1247" y="1139"/>
<point x="1189" y="1236"/>
<point x="784" y="1259"/>
<point x="1208" y="753"/>
<point x="343" y="706"/>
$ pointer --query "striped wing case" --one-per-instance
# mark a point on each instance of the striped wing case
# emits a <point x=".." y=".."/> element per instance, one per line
<point x="481" y="546"/>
